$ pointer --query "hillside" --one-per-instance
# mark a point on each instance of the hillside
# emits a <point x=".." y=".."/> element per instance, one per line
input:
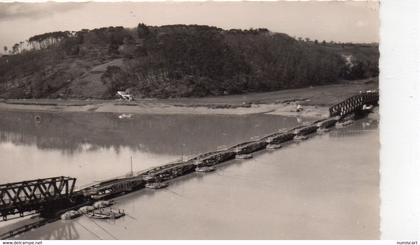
<point x="176" y="61"/>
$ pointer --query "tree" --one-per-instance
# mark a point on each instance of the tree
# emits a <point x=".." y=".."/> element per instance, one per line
<point x="15" y="48"/>
<point x="46" y="40"/>
<point x="182" y="60"/>
<point x="142" y="30"/>
<point x="5" y="49"/>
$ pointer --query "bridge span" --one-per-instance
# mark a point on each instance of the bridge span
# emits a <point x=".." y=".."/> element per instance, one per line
<point x="35" y="195"/>
<point x="354" y="103"/>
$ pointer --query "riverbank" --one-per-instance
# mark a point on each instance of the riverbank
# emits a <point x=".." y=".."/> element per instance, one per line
<point x="315" y="102"/>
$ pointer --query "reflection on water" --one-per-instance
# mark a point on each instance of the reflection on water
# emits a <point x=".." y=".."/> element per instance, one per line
<point x="94" y="146"/>
<point x="324" y="188"/>
<point x="72" y="132"/>
<point x="357" y="128"/>
<point x="63" y="230"/>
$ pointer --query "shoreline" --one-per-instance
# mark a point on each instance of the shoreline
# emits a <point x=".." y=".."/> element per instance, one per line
<point x="167" y="109"/>
<point x="315" y="102"/>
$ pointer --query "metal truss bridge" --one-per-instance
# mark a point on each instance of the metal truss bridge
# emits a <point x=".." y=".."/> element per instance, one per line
<point x="35" y="195"/>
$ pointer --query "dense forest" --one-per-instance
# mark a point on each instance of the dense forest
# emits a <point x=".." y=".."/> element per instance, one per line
<point x="176" y="61"/>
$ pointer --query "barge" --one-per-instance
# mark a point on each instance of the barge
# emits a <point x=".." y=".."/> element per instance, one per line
<point x="278" y="138"/>
<point x="249" y="147"/>
<point x="305" y="130"/>
<point x="215" y="158"/>
<point x="170" y="172"/>
<point x="112" y="188"/>
<point x="327" y="123"/>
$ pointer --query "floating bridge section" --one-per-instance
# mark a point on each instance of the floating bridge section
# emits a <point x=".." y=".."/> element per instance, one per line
<point x="354" y="103"/>
<point x="34" y="195"/>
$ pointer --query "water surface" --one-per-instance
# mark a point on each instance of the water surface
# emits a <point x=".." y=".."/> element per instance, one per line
<point x="324" y="188"/>
<point x="96" y="146"/>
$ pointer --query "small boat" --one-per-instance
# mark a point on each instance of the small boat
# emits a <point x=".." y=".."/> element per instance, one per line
<point x="156" y="185"/>
<point x="343" y="124"/>
<point x="205" y="169"/>
<point x="125" y="116"/>
<point x="273" y="146"/>
<point x="300" y="137"/>
<point x="72" y="214"/>
<point x="86" y="209"/>
<point x="102" y="204"/>
<point x="102" y="214"/>
<point x="243" y="156"/>
<point x="148" y="177"/>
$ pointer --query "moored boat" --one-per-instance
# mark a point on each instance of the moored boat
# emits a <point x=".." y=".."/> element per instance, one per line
<point x="300" y="137"/>
<point x="86" y="209"/>
<point x="148" y="177"/>
<point x="102" y="214"/>
<point x="273" y="146"/>
<point x="205" y="169"/>
<point x="343" y="124"/>
<point x="72" y="214"/>
<point x="125" y="116"/>
<point x="113" y="187"/>
<point x="156" y="185"/>
<point x="243" y="156"/>
<point x="102" y="204"/>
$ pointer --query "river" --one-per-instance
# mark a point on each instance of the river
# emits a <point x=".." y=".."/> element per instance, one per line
<point x="324" y="188"/>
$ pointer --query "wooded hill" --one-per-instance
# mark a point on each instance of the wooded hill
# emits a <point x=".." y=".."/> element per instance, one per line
<point x="176" y="61"/>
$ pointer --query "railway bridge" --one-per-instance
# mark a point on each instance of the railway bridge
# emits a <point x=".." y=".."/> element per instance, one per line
<point x="354" y="103"/>
<point x="35" y="195"/>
